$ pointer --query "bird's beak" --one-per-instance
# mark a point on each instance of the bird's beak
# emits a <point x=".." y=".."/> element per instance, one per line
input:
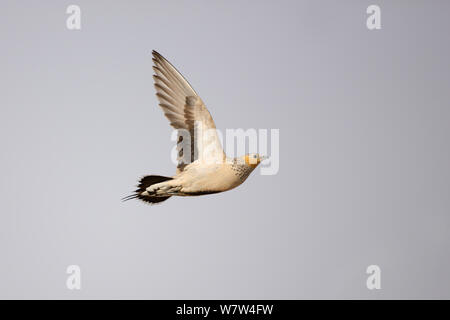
<point x="262" y="158"/>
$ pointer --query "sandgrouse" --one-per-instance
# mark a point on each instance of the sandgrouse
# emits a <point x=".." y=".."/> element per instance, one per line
<point x="203" y="167"/>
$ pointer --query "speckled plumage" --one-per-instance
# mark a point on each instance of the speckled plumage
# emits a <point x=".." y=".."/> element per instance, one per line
<point x="241" y="170"/>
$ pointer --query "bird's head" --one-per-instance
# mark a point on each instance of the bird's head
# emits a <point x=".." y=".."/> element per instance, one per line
<point x="253" y="159"/>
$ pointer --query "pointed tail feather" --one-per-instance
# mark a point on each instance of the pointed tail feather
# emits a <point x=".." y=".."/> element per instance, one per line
<point x="144" y="183"/>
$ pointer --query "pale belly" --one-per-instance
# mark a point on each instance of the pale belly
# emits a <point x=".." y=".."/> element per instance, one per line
<point x="198" y="180"/>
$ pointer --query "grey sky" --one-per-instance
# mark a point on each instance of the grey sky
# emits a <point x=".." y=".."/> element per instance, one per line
<point x="364" y="156"/>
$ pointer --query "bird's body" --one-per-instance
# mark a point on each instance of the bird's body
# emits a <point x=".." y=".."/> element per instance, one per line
<point x="203" y="167"/>
<point x="199" y="179"/>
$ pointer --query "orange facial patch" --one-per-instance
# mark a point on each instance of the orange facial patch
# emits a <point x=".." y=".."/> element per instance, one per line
<point x="252" y="162"/>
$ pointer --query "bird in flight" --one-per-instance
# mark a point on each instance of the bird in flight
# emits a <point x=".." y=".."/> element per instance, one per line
<point x="203" y="168"/>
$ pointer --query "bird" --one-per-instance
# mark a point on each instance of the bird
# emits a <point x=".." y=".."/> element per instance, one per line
<point x="203" y="167"/>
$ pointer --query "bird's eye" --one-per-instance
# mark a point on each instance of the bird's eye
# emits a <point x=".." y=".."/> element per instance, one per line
<point x="254" y="156"/>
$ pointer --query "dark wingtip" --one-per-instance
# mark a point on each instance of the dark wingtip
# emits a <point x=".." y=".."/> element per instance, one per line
<point x="156" y="54"/>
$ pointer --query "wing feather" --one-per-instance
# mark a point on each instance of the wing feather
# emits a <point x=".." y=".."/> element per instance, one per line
<point x="186" y="111"/>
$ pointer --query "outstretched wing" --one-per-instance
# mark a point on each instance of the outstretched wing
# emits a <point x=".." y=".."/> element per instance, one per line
<point x="197" y="135"/>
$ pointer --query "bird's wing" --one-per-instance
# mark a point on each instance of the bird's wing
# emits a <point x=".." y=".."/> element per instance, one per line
<point x="197" y="135"/>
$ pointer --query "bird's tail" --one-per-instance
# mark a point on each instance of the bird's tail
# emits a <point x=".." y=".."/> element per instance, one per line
<point x="144" y="183"/>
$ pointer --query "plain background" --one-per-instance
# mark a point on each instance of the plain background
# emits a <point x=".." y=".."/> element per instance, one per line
<point x="364" y="150"/>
